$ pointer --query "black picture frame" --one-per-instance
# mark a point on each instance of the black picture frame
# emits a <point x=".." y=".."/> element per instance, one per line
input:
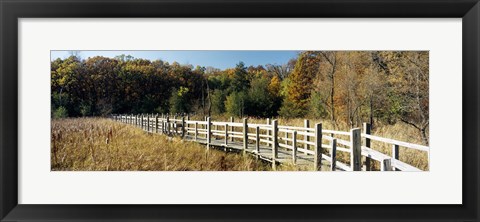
<point x="11" y="11"/>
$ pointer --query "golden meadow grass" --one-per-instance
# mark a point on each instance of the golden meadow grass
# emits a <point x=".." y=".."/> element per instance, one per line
<point x="96" y="144"/>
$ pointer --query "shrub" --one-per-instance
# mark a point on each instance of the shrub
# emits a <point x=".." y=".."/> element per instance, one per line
<point x="316" y="106"/>
<point x="178" y="103"/>
<point x="259" y="100"/>
<point x="290" y="110"/>
<point x="60" y="112"/>
<point x="235" y="103"/>
<point x="218" y="101"/>
<point x="85" y="110"/>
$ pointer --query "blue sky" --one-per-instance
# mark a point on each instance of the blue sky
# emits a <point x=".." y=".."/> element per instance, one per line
<point x="215" y="58"/>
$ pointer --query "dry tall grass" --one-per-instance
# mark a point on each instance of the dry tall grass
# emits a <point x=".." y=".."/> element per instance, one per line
<point x="104" y="145"/>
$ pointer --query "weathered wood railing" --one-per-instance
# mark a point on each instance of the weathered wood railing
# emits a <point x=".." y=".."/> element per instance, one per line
<point x="280" y="144"/>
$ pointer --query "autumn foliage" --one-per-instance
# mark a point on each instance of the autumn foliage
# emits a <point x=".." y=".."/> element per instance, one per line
<point x="348" y="87"/>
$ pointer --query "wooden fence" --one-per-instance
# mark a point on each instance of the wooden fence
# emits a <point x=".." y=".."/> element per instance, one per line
<point x="310" y="146"/>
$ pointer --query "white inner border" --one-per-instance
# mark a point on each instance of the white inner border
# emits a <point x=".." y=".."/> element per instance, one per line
<point x="441" y="185"/>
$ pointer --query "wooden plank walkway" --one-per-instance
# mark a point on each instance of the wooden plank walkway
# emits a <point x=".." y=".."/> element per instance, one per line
<point x="305" y="147"/>
<point x="284" y="156"/>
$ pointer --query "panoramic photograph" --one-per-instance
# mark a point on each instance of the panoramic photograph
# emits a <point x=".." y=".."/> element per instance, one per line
<point x="239" y="110"/>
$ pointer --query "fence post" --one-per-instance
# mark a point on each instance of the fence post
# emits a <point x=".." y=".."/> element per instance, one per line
<point x="148" y="122"/>
<point x="386" y="165"/>
<point x="131" y="119"/>
<point x="162" y="129"/>
<point x="163" y="124"/>
<point x="156" y="123"/>
<point x="286" y="137"/>
<point x="226" y="135"/>
<point x="245" y="135"/>
<point x="368" y="161"/>
<point x="196" y="130"/>
<point x="274" y="142"/>
<point x="333" y="154"/>
<point x="151" y="119"/>
<point x="275" y="138"/>
<point x="175" y="123"/>
<point x="294" y="144"/>
<point x="183" y="127"/>
<point x="395" y="154"/>
<point x="268" y="132"/>
<point x="208" y="133"/>
<point x="356" y="144"/>
<point x="232" y="127"/>
<point x="136" y="120"/>
<point x="317" y="163"/>
<point x="142" y="122"/>
<point x="306" y="124"/>
<point x="167" y="125"/>
<point x="257" y="142"/>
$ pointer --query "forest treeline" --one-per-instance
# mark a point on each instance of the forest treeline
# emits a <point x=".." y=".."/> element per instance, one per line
<point x="348" y="86"/>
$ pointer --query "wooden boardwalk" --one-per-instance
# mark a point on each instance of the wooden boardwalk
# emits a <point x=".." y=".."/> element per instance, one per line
<point x="264" y="152"/>
<point x="308" y="147"/>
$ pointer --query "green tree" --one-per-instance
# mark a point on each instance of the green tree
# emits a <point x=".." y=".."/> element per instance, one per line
<point x="239" y="82"/>
<point x="260" y="101"/>
<point x="289" y="109"/>
<point x="178" y="102"/>
<point x="301" y="80"/>
<point x="316" y="107"/>
<point x="235" y="104"/>
<point x="60" y="112"/>
<point x="218" y="101"/>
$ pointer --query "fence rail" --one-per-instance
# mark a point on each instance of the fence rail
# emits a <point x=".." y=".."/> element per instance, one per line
<point x="278" y="144"/>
